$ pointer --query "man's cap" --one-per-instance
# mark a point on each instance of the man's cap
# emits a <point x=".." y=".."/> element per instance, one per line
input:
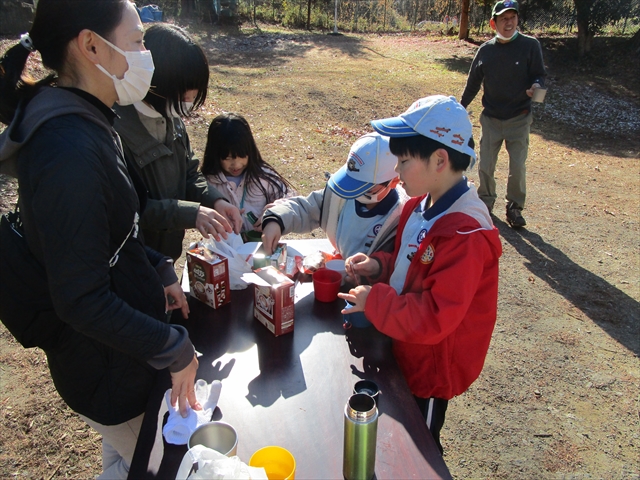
<point x="370" y="162"/>
<point x="501" y="7"/>
<point x="437" y="117"/>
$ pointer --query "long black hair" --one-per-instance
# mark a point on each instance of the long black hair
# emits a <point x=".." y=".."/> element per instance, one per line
<point x="56" y="23"/>
<point x="180" y="66"/>
<point x="230" y="135"/>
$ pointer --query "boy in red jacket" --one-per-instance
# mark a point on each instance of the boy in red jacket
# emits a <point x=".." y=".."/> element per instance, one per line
<point x="436" y="294"/>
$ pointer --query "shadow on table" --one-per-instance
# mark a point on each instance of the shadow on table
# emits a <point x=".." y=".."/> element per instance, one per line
<point x="280" y="369"/>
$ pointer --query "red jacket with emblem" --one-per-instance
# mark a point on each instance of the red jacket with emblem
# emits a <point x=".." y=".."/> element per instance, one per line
<point x="442" y="321"/>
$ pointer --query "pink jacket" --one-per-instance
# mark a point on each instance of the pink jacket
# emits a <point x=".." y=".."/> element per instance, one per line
<point x="254" y="200"/>
<point x="442" y="321"/>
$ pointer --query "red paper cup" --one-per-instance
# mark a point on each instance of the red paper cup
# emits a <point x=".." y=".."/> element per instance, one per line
<point x="326" y="284"/>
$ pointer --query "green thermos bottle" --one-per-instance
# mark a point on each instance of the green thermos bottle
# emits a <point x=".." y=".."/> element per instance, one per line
<point x="360" y="432"/>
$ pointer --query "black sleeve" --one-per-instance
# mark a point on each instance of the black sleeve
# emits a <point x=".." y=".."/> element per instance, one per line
<point x="474" y="81"/>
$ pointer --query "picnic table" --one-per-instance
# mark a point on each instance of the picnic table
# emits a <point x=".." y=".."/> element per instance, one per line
<point x="291" y="390"/>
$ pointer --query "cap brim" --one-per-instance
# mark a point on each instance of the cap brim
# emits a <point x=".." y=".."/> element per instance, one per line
<point x="497" y="14"/>
<point x="346" y="187"/>
<point x="393" y="127"/>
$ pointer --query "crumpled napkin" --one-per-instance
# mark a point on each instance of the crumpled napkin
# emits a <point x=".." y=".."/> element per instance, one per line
<point x="235" y="262"/>
<point x="178" y="429"/>
<point x="212" y="465"/>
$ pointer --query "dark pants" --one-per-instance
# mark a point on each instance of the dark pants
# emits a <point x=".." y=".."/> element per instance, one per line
<point x="433" y="410"/>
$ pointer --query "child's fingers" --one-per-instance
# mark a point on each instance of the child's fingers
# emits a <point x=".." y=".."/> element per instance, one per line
<point x="349" y="297"/>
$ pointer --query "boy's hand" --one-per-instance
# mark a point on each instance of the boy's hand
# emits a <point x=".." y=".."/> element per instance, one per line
<point x="357" y="296"/>
<point x="359" y="265"/>
<point x="231" y="213"/>
<point x="271" y="234"/>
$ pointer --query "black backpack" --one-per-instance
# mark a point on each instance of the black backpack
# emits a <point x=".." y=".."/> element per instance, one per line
<point x="26" y="308"/>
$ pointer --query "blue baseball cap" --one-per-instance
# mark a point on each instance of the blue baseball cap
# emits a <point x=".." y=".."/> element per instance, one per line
<point x="370" y="162"/>
<point x="438" y="117"/>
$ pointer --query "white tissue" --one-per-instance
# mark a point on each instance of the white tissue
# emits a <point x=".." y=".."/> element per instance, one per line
<point x="178" y="429"/>
<point x="214" y="465"/>
<point x="235" y="262"/>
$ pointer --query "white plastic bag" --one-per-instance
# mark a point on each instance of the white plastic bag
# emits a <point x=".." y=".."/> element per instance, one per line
<point x="237" y="264"/>
<point x="204" y="463"/>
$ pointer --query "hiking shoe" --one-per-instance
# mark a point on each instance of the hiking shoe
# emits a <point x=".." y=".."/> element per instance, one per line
<point x="515" y="218"/>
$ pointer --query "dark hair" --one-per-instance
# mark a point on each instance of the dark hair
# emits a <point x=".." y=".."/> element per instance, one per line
<point x="422" y="147"/>
<point x="230" y="135"/>
<point x="56" y="23"/>
<point x="180" y="66"/>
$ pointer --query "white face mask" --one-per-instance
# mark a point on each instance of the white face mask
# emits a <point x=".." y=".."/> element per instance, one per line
<point x="137" y="79"/>
<point x="185" y="107"/>
<point x="507" y="39"/>
<point x="375" y="198"/>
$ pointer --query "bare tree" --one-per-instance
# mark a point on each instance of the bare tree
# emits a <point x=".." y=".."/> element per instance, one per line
<point x="463" y="34"/>
<point x="592" y="15"/>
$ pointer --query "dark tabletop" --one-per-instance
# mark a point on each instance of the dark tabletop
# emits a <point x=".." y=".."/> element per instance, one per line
<point x="291" y="391"/>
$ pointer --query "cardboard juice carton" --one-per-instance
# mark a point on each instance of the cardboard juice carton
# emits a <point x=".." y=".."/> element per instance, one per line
<point x="208" y="277"/>
<point x="274" y="295"/>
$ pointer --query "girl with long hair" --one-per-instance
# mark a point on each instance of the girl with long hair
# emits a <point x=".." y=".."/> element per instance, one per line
<point x="232" y="163"/>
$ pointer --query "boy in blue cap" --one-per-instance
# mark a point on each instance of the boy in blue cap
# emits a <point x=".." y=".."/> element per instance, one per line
<point x="436" y="294"/>
<point x="358" y="210"/>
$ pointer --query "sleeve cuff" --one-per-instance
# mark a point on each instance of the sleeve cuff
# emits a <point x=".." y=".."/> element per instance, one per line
<point x="167" y="273"/>
<point x="267" y="218"/>
<point x="177" y="352"/>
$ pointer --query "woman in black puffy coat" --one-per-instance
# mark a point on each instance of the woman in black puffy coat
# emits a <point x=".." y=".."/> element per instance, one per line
<point x="102" y="317"/>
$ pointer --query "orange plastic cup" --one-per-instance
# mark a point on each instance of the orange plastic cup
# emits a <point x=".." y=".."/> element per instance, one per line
<point x="276" y="461"/>
<point x="326" y="284"/>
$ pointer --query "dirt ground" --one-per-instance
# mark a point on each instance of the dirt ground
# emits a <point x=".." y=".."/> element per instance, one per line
<point x="558" y="396"/>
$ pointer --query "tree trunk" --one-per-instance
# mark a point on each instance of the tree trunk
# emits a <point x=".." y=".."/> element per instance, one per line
<point x="15" y="17"/>
<point x="255" y="22"/>
<point x="186" y="8"/>
<point x="384" y="19"/>
<point x="415" y="16"/>
<point x="463" y="34"/>
<point x="356" y="16"/>
<point x="634" y="43"/>
<point x="583" y="33"/>
<point x="308" y="14"/>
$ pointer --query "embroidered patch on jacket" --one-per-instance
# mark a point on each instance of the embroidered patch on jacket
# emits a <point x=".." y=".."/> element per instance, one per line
<point x="427" y="256"/>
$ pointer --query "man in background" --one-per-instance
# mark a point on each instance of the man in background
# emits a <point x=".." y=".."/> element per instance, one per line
<point x="509" y="67"/>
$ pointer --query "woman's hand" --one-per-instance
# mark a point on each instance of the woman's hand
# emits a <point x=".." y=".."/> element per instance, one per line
<point x="176" y="299"/>
<point x="210" y="222"/>
<point x="231" y="213"/>
<point x="183" y="388"/>
<point x="358" y="297"/>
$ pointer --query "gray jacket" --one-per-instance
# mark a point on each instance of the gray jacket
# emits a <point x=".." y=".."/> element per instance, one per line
<point x="322" y="208"/>
<point x="175" y="187"/>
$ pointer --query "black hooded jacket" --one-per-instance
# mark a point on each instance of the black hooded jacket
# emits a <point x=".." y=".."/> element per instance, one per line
<point x="79" y="207"/>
